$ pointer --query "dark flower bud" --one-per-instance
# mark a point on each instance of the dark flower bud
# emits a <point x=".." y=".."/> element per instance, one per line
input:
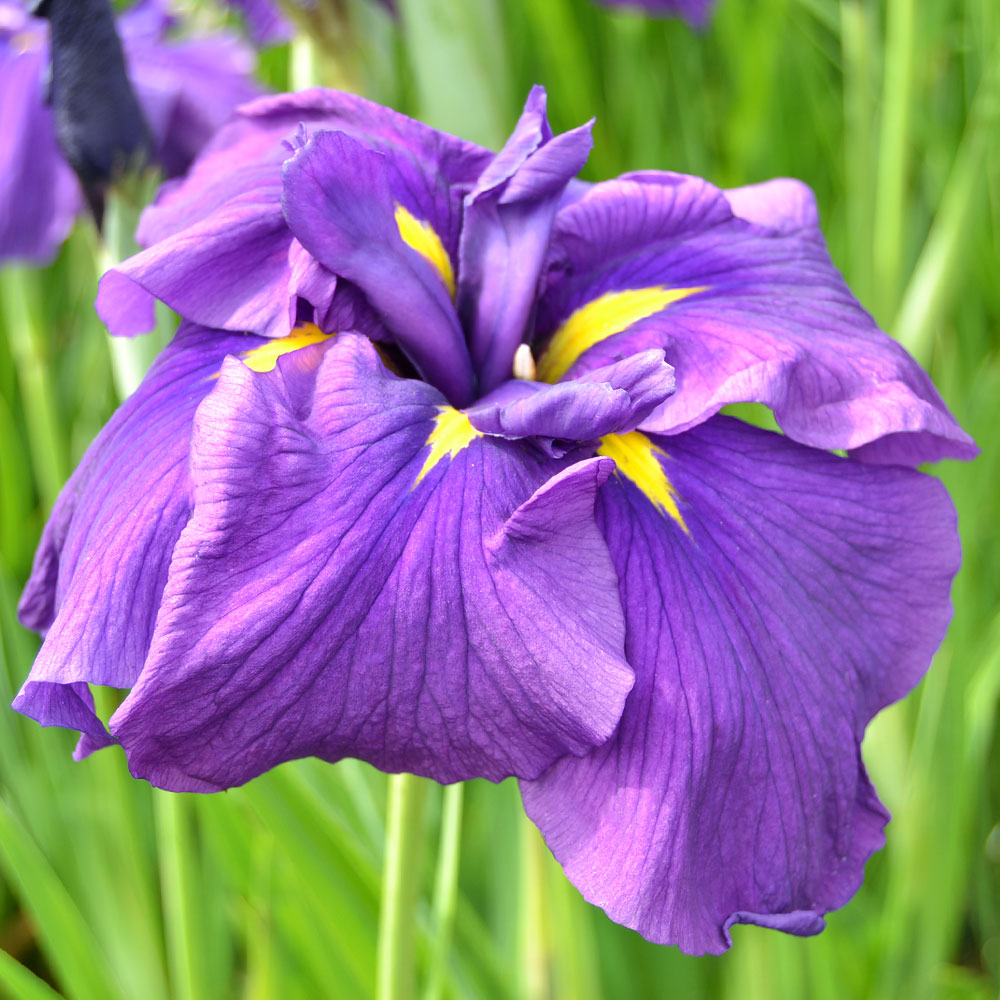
<point x="99" y="124"/>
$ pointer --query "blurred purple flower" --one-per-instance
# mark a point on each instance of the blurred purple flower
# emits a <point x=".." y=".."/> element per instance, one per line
<point x="265" y="22"/>
<point x="269" y="26"/>
<point x="433" y="475"/>
<point x="695" y="12"/>
<point x="186" y="87"/>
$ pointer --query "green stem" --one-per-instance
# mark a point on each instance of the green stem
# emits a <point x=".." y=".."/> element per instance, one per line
<point x="303" y="62"/>
<point x="131" y="357"/>
<point x="19" y="300"/>
<point x="534" y="948"/>
<point x="179" y="886"/>
<point x="445" y="887"/>
<point x="395" y="972"/>
<point x="262" y="980"/>
<point x="324" y="49"/>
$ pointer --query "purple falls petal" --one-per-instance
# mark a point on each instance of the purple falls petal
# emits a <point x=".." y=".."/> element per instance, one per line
<point x="783" y="204"/>
<point x="806" y="592"/>
<point x="339" y="201"/>
<point x="322" y="601"/>
<point x="505" y="234"/>
<point x="102" y="562"/>
<point x="768" y="320"/>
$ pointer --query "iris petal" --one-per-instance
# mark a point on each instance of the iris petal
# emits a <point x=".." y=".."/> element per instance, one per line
<point x="236" y="183"/>
<point x="102" y="563"/>
<point x="774" y="323"/>
<point x="229" y="271"/>
<point x="322" y="602"/>
<point x="340" y="199"/>
<point x="505" y="233"/>
<point x="613" y="399"/>
<point x="809" y="592"/>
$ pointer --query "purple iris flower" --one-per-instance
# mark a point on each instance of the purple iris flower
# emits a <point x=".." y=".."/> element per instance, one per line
<point x="433" y="475"/>
<point x="186" y="88"/>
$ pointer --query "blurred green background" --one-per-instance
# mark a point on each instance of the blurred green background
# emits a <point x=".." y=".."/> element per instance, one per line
<point x="891" y="111"/>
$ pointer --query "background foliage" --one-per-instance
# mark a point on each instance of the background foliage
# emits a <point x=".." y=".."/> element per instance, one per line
<point x="890" y="110"/>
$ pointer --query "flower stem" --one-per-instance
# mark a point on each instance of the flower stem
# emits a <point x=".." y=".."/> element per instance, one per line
<point x="130" y="356"/>
<point x="445" y="887"/>
<point x="179" y="885"/>
<point x="395" y="972"/>
<point x="534" y="939"/>
<point x="324" y="48"/>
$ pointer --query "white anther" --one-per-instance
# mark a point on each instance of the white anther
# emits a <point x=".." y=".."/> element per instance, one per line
<point x="524" y="364"/>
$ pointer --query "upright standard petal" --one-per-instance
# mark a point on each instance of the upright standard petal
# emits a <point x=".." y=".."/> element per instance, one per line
<point x="365" y="575"/>
<point x="505" y="234"/>
<point x="745" y="311"/>
<point x="791" y="595"/>
<point x="102" y="563"/>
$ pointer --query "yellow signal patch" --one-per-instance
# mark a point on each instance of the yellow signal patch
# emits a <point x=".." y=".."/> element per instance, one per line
<point x="265" y="357"/>
<point x="452" y="432"/>
<point x="420" y="236"/>
<point x="600" y="319"/>
<point x="636" y="458"/>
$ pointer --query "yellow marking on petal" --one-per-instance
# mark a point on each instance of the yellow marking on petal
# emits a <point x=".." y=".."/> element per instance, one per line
<point x="452" y="432"/>
<point x="600" y="319"/>
<point x="420" y="236"/>
<point x="265" y="357"/>
<point x="636" y="458"/>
